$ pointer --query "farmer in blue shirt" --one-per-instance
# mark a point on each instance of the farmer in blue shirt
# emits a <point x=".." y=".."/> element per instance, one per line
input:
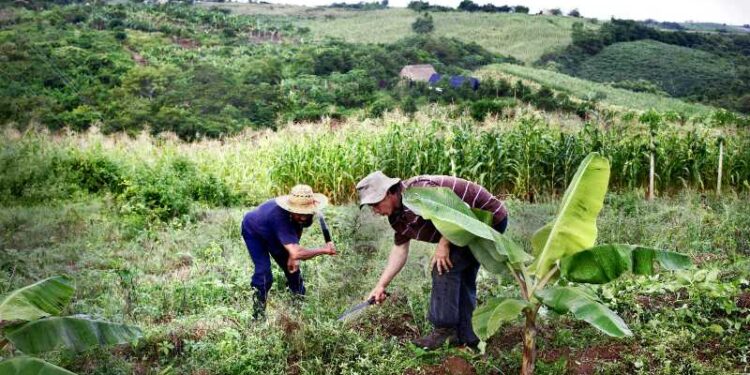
<point x="273" y="229"/>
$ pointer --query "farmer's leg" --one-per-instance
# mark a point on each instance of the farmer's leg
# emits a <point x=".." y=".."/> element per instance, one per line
<point x="467" y="299"/>
<point x="293" y="280"/>
<point x="262" y="277"/>
<point x="446" y="289"/>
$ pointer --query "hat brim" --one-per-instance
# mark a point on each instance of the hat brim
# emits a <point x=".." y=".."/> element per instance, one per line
<point x="319" y="199"/>
<point x="376" y="198"/>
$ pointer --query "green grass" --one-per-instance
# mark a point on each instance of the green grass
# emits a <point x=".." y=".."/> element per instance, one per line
<point x="187" y="286"/>
<point x="524" y="37"/>
<point x="680" y="71"/>
<point x="581" y="88"/>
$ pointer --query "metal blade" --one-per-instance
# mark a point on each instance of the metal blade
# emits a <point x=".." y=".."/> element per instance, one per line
<point x="324" y="227"/>
<point x="356" y="308"/>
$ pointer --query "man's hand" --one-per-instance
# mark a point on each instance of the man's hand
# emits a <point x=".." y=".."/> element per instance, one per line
<point x="292" y="264"/>
<point x="442" y="258"/>
<point x="378" y="293"/>
<point x="329" y="248"/>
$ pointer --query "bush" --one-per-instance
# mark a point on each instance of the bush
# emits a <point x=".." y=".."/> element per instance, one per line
<point x="483" y="107"/>
<point x="423" y="24"/>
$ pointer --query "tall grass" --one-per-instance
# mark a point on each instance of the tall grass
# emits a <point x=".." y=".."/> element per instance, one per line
<point x="524" y="157"/>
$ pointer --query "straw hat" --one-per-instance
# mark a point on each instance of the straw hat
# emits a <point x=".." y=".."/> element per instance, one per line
<point x="302" y="200"/>
<point x="372" y="189"/>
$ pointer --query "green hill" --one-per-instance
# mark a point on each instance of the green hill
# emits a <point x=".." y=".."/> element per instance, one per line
<point x="525" y="37"/>
<point x="584" y="89"/>
<point x="677" y="70"/>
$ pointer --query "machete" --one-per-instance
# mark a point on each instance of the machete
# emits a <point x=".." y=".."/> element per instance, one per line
<point x="324" y="228"/>
<point x="358" y="307"/>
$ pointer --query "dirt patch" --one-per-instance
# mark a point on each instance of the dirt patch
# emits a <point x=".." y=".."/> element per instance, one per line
<point x="505" y="341"/>
<point x="661" y="301"/>
<point x="389" y="319"/>
<point x="288" y="325"/>
<point x="451" y="366"/>
<point x="260" y="36"/>
<point x="706" y="258"/>
<point x="586" y="361"/>
<point x="743" y="300"/>
<point x="185" y="42"/>
<point x="139" y="59"/>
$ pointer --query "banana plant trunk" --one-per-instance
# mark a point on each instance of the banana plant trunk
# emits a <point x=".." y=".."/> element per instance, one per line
<point x="529" y="342"/>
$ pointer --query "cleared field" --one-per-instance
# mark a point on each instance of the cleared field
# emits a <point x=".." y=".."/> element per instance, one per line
<point x="525" y="37"/>
<point x="582" y="88"/>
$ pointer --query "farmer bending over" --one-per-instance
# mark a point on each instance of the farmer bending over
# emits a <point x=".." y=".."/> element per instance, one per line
<point x="273" y="229"/>
<point x="454" y="269"/>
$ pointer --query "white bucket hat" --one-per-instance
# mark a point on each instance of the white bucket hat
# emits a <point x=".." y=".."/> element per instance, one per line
<point x="372" y="189"/>
<point x="302" y="200"/>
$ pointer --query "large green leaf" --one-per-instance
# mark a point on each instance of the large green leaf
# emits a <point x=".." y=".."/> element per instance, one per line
<point x="44" y="298"/>
<point x="644" y="257"/>
<point x="488" y="256"/>
<point x="604" y="263"/>
<point x="574" y="228"/>
<point x="584" y="307"/>
<point x="76" y="333"/>
<point x="451" y="216"/>
<point x="488" y="317"/>
<point x="30" y="366"/>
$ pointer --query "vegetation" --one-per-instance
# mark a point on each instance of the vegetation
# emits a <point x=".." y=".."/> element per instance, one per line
<point x="29" y="322"/>
<point x="135" y="136"/>
<point x="725" y="86"/>
<point x="699" y="74"/>
<point x="562" y="252"/>
<point x="502" y="33"/>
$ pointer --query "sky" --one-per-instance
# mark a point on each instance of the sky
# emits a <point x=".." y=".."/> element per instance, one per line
<point x="733" y="12"/>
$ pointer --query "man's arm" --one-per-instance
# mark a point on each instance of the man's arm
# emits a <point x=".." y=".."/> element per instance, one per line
<point x="297" y="253"/>
<point x="396" y="261"/>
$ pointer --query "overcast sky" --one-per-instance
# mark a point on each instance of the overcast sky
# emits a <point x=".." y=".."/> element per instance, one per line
<point x="734" y="12"/>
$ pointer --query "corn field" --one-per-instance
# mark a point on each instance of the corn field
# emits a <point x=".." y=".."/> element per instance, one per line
<point x="526" y="159"/>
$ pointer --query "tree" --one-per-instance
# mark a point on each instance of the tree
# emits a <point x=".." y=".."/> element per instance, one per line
<point x="423" y="24"/>
<point x="521" y="9"/>
<point x="563" y="262"/>
<point x="555" y="12"/>
<point x="468" y="6"/>
<point x="28" y="320"/>
<point x="574" y="13"/>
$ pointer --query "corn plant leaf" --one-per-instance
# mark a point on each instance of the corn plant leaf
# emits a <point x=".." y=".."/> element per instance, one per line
<point x="604" y="263"/>
<point x="451" y="216"/>
<point x="488" y="318"/>
<point x="584" y="307"/>
<point x="30" y="366"/>
<point x="38" y="300"/>
<point x="574" y="228"/>
<point x="71" y="332"/>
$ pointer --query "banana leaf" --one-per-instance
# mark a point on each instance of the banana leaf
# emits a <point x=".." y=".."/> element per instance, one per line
<point x="604" y="263"/>
<point x="38" y="300"/>
<point x="30" y="366"/>
<point x="488" y="318"/>
<point x="71" y="332"/>
<point x="584" y="307"/>
<point x="574" y="227"/>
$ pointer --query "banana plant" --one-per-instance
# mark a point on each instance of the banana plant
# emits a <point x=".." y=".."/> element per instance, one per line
<point x="563" y="250"/>
<point x="29" y="319"/>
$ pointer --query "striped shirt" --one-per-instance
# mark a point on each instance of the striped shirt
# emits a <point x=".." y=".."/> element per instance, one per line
<point x="408" y="226"/>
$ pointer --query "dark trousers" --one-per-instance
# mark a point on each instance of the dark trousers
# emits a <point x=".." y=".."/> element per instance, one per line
<point x="261" y="255"/>
<point x="454" y="293"/>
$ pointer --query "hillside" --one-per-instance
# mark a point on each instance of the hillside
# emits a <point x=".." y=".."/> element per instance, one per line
<point x="680" y="71"/>
<point x="584" y="89"/>
<point x="522" y="36"/>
